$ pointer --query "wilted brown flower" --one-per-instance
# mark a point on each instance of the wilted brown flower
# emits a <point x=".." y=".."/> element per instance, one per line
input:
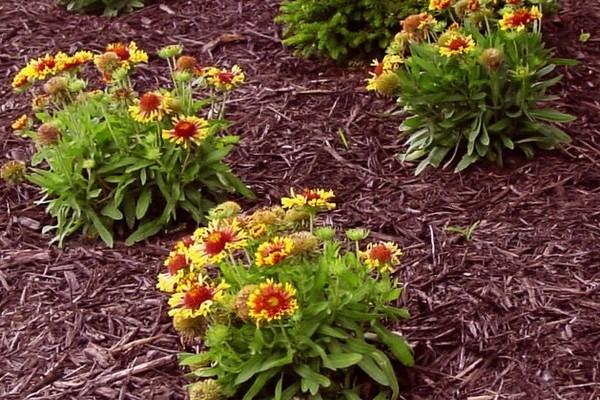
<point x="48" y="133"/>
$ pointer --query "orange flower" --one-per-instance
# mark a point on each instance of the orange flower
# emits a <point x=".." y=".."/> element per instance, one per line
<point x="274" y="251"/>
<point x="381" y="256"/>
<point x="216" y="240"/>
<point x="152" y="106"/>
<point x="271" y="301"/>
<point x="439" y="4"/>
<point x="520" y="19"/>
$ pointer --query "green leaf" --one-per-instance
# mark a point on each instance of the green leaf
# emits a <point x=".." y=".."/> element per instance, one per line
<point x="249" y="369"/>
<point x="112" y="212"/>
<point x="548" y="114"/>
<point x="386" y="366"/>
<point x="104" y="233"/>
<point x="343" y="360"/>
<point x="397" y="345"/>
<point x="312" y="377"/>
<point x="145" y="231"/>
<point x="143" y="203"/>
<point x="260" y="381"/>
<point x="370" y="367"/>
<point x="465" y="161"/>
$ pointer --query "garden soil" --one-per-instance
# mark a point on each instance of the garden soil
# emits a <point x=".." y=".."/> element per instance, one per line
<point x="512" y="313"/>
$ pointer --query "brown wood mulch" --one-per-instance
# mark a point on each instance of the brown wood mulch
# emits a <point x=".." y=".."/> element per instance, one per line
<point x="514" y="313"/>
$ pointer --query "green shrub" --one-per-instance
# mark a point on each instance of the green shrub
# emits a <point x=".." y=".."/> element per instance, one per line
<point x="342" y="29"/>
<point x="114" y="161"/>
<point x="107" y="7"/>
<point x="284" y="313"/>
<point x="477" y="105"/>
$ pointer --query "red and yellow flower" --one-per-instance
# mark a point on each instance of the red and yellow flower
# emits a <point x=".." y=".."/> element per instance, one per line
<point x="520" y="19"/>
<point x="128" y="54"/>
<point x="68" y="63"/>
<point x="177" y="266"/>
<point x="274" y="251"/>
<point x="150" y="107"/>
<point x="186" y="130"/>
<point x="316" y="199"/>
<point x="223" y="79"/>
<point x="214" y="242"/>
<point x="381" y="256"/>
<point x="439" y="5"/>
<point x="196" y="299"/>
<point x="272" y="301"/>
<point x="454" y="43"/>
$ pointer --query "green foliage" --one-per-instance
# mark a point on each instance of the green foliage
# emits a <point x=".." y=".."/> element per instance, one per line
<point x="331" y="344"/>
<point x="461" y="107"/>
<point x="342" y="29"/>
<point x="466" y="232"/>
<point x="105" y="169"/>
<point x="109" y="8"/>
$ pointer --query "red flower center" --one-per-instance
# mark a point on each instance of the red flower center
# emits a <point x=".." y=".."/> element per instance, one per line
<point x="381" y="254"/>
<point x="185" y="129"/>
<point x="311" y="195"/>
<point x="521" y="18"/>
<point x="276" y="251"/>
<point x="46" y="63"/>
<point x="225" y="77"/>
<point x="216" y="242"/>
<point x="149" y="102"/>
<point x="187" y="241"/>
<point x="378" y="69"/>
<point x="458" y="43"/>
<point x="273" y="302"/>
<point x="121" y="51"/>
<point x="197" y="295"/>
<point x="176" y="263"/>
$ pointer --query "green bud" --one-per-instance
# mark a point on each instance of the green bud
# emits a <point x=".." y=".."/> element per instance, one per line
<point x="77" y="85"/>
<point x="182" y="76"/>
<point x="357" y="234"/>
<point x="225" y="210"/>
<point x="173" y="50"/>
<point x="216" y="335"/>
<point x="207" y="389"/>
<point x="89" y="163"/>
<point x="325" y="234"/>
<point x="120" y="74"/>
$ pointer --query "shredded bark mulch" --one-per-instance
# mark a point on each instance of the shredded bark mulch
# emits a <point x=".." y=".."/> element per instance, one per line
<point x="512" y="313"/>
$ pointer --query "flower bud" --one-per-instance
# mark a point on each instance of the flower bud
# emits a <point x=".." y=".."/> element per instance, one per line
<point x="107" y="62"/>
<point x="294" y="215"/>
<point x="77" y="85"/>
<point x="325" y="234"/>
<point x="48" y="134"/>
<point x="225" y="210"/>
<point x="357" y="234"/>
<point x="189" y="328"/>
<point x="492" y="58"/>
<point x="169" y="51"/>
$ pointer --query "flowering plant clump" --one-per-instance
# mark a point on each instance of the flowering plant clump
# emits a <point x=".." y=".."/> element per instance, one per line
<point x="475" y="89"/>
<point x="282" y="309"/>
<point x="111" y="159"/>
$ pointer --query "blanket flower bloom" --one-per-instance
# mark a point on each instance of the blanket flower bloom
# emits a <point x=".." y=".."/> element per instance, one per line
<point x="318" y="199"/>
<point x="272" y="301"/>
<point x="150" y="107"/>
<point x="129" y="55"/>
<point x="454" y="43"/>
<point x="176" y="264"/>
<point x="439" y="5"/>
<point x="274" y="251"/>
<point x="196" y="300"/>
<point x="20" y="122"/>
<point x="520" y="19"/>
<point x="381" y="256"/>
<point x="223" y="79"/>
<point x="186" y="130"/>
<point x="217" y="240"/>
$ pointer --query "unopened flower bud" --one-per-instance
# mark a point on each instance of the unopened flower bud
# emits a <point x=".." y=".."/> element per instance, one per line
<point x="325" y="234"/>
<point x="77" y="85"/>
<point x="169" y="51"/>
<point x="189" y="328"/>
<point x="492" y="58"/>
<point x="225" y="210"/>
<point x="387" y="83"/>
<point x="357" y="234"/>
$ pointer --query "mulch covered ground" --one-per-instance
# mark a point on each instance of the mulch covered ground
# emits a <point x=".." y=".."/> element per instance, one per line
<point x="514" y="313"/>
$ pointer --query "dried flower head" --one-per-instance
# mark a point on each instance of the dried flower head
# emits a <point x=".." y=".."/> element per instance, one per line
<point x="240" y="303"/>
<point x="107" y="62"/>
<point x="56" y="86"/>
<point x="13" y="171"/>
<point x="48" y="134"/>
<point x="207" y="389"/>
<point x="492" y="58"/>
<point x="186" y="63"/>
<point x="303" y="243"/>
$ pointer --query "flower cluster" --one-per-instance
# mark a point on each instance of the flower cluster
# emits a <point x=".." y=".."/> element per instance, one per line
<point x="251" y="274"/>
<point x="157" y="140"/>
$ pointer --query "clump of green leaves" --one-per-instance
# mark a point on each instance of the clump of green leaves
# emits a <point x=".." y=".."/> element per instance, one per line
<point x="342" y="29"/>
<point x="109" y="8"/>
<point x="480" y="104"/>
<point x="285" y="313"/>
<point x="112" y="161"/>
